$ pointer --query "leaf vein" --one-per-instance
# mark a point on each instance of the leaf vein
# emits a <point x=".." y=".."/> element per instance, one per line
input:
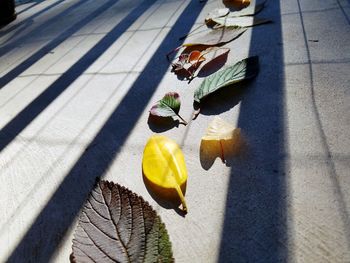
<point x="92" y="223"/>
<point x="82" y="251"/>
<point x="115" y="225"/>
<point x="98" y="213"/>
<point x="98" y="246"/>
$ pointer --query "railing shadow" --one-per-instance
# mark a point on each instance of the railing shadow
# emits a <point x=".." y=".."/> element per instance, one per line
<point x="41" y="240"/>
<point x="34" y="3"/>
<point x="10" y="46"/>
<point x="32" y="110"/>
<point x="53" y="44"/>
<point x="340" y="199"/>
<point x="254" y="227"/>
<point x="21" y="26"/>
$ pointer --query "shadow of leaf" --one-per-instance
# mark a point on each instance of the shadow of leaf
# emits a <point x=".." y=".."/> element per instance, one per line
<point x="213" y="65"/>
<point x="168" y="198"/>
<point x="223" y="99"/>
<point x="161" y="124"/>
<point x="210" y="150"/>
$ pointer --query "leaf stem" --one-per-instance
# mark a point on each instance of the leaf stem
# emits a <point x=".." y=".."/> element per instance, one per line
<point x="182" y="119"/>
<point x="182" y="198"/>
<point x="222" y="152"/>
<point x="184" y="36"/>
<point x="172" y="51"/>
<point x="196" y="113"/>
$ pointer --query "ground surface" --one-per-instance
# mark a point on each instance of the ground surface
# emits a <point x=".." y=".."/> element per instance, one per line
<point x="78" y="78"/>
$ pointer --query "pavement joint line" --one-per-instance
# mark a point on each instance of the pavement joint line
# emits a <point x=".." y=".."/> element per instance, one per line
<point x="318" y="62"/>
<point x="94" y="73"/>
<point x="157" y="35"/>
<point x="51" y="141"/>
<point x="317" y="157"/>
<point x="343" y="11"/>
<point x="311" y="11"/>
<point x="86" y="74"/>
<point x="48" y="252"/>
<point x="85" y="36"/>
<point x="331" y="169"/>
<point x="44" y="39"/>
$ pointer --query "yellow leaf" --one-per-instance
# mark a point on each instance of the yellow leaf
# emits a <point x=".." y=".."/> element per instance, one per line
<point x="164" y="168"/>
<point x="220" y="140"/>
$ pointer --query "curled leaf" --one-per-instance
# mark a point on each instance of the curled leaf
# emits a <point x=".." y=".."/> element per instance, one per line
<point x="220" y="140"/>
<point x="214" y="37"/>
<point x="164" y="169"/>
<point x="168" y="106"/>
<point x="219" y="129"/>
<point x="218" y="12"/>
<point x="225" y="12"/>
<point x="245" y="69"/>
<point x="198" y="58"/>
<point x="116" y="225"/>
<point x="239" y="22"/>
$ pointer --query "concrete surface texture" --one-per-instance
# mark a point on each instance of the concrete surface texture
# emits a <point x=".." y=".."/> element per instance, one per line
<point x="78" y="78"/>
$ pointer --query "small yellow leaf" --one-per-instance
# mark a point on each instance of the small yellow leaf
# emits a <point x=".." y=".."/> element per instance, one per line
<point x="220" y="140"/>
<point x="219" y="129"/>
<point x="164" y="168"/>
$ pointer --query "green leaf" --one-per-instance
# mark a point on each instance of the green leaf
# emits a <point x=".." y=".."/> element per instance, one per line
<point x="168" y="106"/>
<point x="117" y="225"/>
<point x="240" y="22"/>
<point x="245" y="69"/>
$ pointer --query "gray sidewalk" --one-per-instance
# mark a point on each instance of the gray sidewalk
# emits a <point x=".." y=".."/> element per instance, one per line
<point x="77" y="79"/>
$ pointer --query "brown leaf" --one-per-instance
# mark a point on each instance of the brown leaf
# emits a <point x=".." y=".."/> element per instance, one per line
<point x="199" y="58"/>
<point x="214" y="37"/>
<point x="116" y="225"/>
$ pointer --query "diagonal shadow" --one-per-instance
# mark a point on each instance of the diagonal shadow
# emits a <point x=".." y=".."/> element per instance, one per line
<point x="10" y="46"/>
<point x="41" y="240"/>
<point x="346" y="16"/>
<point x="53" y="44"/>
<point x="340" y="200"/>
<point x="26" y="22"/>
<point x="254" y="227"/>
<point x="32" y="110"/>
<point x="34" y="3"/>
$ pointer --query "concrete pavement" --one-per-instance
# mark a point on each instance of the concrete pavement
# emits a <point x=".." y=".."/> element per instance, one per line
<point x="77" y="79"/>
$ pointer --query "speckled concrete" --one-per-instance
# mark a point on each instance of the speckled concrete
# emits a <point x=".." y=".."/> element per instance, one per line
<point x="77" y="79"/>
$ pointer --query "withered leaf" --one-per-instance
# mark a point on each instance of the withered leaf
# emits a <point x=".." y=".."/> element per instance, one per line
<point x="225" y="12"/>
<point x="240" y="22"/>
<point x="218" y="12"/>
<point x="116" y="225"/>
<point x="214" y="37"/>
<point x="198" y="58"/>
